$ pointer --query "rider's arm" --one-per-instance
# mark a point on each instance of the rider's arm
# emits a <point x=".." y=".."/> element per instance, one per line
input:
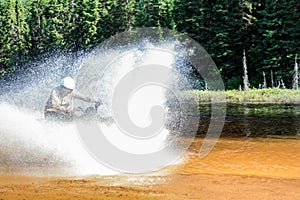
<point x="82" y="97"/>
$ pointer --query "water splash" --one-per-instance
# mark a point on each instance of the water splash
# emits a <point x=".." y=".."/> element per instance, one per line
<point x="31" y="146"/>
<point x="28" y="144"/>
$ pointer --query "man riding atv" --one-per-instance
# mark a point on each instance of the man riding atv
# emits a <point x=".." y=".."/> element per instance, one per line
<point x="59" y="106"/>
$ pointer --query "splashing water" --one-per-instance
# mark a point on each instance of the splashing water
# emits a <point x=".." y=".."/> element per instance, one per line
<point x="30" y="145"/>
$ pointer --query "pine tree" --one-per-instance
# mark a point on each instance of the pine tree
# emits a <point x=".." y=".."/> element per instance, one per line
<point x="55" y="27"/>
<point x="141" y="16"/>
<point x="3" y="58"/>
<point x="130" y="11"/>
<point x="275" y="42"/>
<point x="122" y="12"/>
<point x="70" y="17"/>
<point x="35" y="12"/>
<point x="231" y="23"/>
<point x="194" y="19"/>
<point x="147" y="13"/>
<point x="14" y="35"/>
<point x="104" y="25"/>
<point x="166" y="19"/>
<point x="86" y="19"/>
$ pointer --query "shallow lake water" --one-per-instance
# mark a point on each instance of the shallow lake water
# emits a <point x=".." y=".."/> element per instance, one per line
<point x="255" y="119"/>
<point x="256" y="157"/>
<point x="270" y="157"/>
<point x="257" y="138"/>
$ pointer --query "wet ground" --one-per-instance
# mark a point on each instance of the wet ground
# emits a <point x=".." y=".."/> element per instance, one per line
<point x="244" y="168"/>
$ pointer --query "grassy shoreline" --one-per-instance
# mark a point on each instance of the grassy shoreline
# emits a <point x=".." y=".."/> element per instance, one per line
<point x="269" y="95"/>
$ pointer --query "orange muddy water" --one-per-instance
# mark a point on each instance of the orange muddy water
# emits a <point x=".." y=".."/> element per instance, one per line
<point x="276" y="158"/>
<point x="252" y="168"/>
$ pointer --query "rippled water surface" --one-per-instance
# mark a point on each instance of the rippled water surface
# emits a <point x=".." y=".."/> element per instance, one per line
<point x="254" y="119"/>
<point x="267" y="144"/>
<point x="253" y="156"/>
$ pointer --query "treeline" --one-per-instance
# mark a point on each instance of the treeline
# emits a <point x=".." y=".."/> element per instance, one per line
<point x="268" y="30"/>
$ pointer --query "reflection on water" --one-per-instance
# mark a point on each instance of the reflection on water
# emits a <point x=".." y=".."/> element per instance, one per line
<point x="259" y="156"/>
<point x="255" y="119"/>
<point x="254" y="156"/>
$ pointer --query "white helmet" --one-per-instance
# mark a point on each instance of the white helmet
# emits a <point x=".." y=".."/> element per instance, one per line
<point x="68" y="83"/>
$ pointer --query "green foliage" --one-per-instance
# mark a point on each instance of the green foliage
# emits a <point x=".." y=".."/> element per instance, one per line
<point x="228" y="41"/>
<point x="192" y="18"/>
<point x="252" y="95"/>
<point x="274" y="41"/>
<point x="84" y="24"/>
<point x="152" y="13"/>
<point x="13" y="35"/>
<point x="37" y="21"/>
<point x="267" y="30"/>
<point x="54" y="27"/>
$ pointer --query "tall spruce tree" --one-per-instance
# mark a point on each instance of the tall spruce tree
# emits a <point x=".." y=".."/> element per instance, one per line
<point x="104" y="28"/>
<point x="230" y="38"/>
<point x="121" y="11"/>
<point x="189" y="17"/>
<point x="278" y="25"/>
<point x="13" y="35"/>
<point x="3" y="57"/>
<point x="55" y="14"/>
<point x="85" y="23"/>
<point x="36" y="20"/>
<point x="141" y="16"/>
<point x="147" y="13"/>
<point x="267" y="29"/>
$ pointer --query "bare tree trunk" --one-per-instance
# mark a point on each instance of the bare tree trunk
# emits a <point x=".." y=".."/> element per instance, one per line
<point x="296" y="75"/>
<point x="265" y="81"/>
<point x="282" y="84"/>
<point x="272" y="79"/>
<point x="245" y="77"/>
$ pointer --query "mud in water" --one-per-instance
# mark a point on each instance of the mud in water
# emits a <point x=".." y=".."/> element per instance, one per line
<point x="253" y="168"/>
<point x="268" y="157"/>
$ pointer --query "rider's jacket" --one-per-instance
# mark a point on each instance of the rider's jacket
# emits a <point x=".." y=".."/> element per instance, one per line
<point x="58" y="102"/>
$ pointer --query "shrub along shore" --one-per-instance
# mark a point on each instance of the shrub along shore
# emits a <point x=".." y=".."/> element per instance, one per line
<point x="253" y="95"/>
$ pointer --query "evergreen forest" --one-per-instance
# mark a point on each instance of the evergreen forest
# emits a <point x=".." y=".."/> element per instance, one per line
<point x="268" y="31"/>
